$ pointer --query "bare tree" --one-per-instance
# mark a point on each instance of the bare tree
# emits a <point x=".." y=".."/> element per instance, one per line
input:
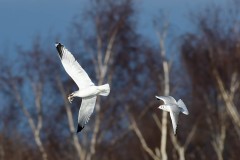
<point x="153" y="154"/>
<point x="112" y="51"/>
<point x="110" y="27"/>
<point x="161" y="151"/>
<point x="80" y="152"/>
<point x="228" y="97"/>
<point x="211" y="58"/>
<point x="218" y="132"/>
<point x="181" y="148"/>
<point x="102" y="71"/>
<point x="14" y="84"/>
<point x="166" y="71"/>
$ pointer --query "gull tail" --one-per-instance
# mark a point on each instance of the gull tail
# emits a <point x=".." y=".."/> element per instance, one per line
<point x="183" y="107"/>
<point x="104" y="90"/>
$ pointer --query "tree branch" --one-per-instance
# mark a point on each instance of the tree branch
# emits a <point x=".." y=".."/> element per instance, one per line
<point x="231" y="108"/>
<point x="77" y="145"/>
<point x="141" y="139"/>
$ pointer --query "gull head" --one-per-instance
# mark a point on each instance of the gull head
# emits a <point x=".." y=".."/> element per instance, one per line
<point x="161" y="107"/>
<point x="164" y="107"/>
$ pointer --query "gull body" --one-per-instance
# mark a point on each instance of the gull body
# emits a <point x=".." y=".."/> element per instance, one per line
<point x="174" y="108"/>
<point x="90" y="91"/>
<point x="87" y="89"/>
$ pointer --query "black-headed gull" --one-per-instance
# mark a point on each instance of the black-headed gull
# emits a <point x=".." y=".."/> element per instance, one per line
<point x="87" y="90"/>
<point x="170" y="105"/>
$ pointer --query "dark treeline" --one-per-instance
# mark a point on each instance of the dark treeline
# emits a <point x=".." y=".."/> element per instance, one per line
<point x="38" y="122"/>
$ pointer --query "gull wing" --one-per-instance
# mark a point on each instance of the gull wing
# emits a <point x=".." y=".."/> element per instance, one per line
<point x="174" y="117"/>
<point x="183" y="107"/>
<point x="85" y="111"/>
<point x="73" y="68"/>
<point x="167" y="99"/>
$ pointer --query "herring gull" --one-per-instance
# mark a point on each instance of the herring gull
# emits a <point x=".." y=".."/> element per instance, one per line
<point x="87" y="90"/>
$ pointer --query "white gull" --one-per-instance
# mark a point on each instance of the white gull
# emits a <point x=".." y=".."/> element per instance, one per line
<point x="170" y="105"/>
<point x="87" y="90"/>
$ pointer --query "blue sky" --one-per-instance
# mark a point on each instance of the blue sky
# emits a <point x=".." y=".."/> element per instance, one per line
<point x="22" y="20"/>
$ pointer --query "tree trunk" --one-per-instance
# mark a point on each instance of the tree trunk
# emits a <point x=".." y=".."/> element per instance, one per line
<point x="166" y="87"/>
<point x="164" y="136"/>
<point x="2" y="153"/>
<point x="34" y="127"/>
<point x="165" y="114"/>
<point x="75" y="140"/>
<point x="181" y="152"/>
<point x="40" y="145"/>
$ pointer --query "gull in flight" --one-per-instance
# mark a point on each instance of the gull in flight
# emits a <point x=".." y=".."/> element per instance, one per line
<point x="87" y="90"/>
<point x="174" y="107"/>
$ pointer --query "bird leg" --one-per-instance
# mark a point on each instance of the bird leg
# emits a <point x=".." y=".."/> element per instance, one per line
<point x="70" y="97"/>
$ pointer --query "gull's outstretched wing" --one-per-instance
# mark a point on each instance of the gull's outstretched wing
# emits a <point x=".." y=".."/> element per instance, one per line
<point x="73" y="68"/>
<point x="167" y="99"/>
<point x="174" y="118"/>
<point x="183" y="107"/>
<point x="85" y="111"/>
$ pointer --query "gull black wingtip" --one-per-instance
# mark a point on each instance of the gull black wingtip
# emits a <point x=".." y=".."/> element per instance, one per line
<point x="79" y="128"/>
<point x="59" y="47"/>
